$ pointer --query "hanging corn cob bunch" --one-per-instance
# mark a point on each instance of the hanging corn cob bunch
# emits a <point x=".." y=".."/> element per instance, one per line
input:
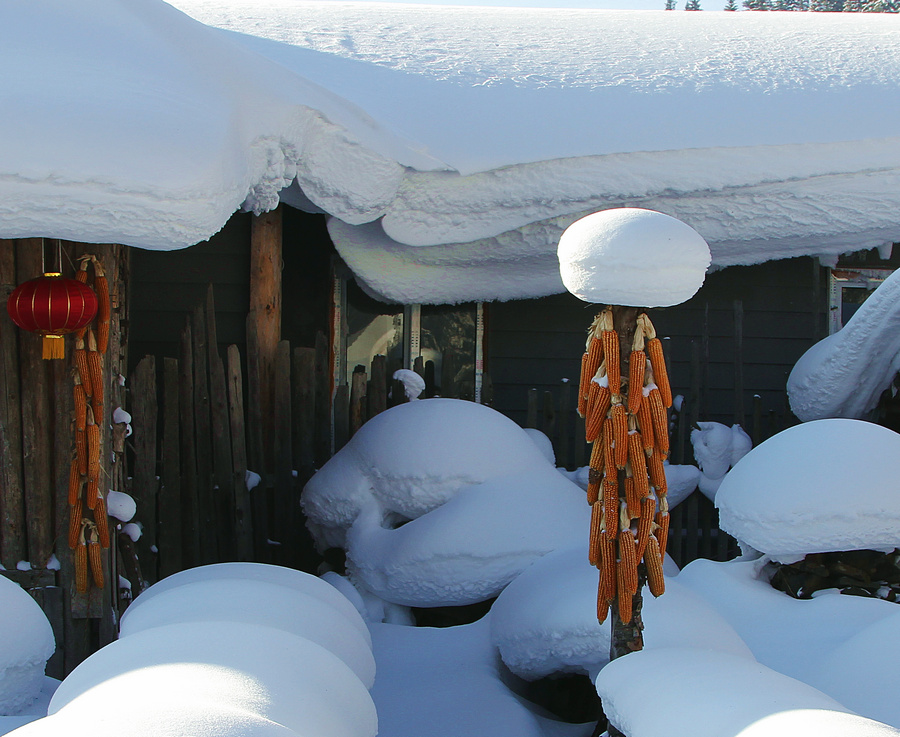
<point x="87" y="537"/>
<point x="626" y="418"/>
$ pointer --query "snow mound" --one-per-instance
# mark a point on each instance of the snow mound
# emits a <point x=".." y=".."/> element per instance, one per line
<point x="411" y="459"/>
<point x="291" y="578"/>
<point x="703" y="693"/>
<point x="468" y="549"/>
<point x="25" y="647"/>
<point x="632" y="256"/>
<point x="845" y="374"/>
<point x="545" y="621"/>
<point x="258" y="602"/>
<point x="261" y="670"/>
<point x="821" y="486"/>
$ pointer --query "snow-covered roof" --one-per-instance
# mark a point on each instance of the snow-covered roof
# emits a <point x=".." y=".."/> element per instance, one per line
<point x="447" y="138"/>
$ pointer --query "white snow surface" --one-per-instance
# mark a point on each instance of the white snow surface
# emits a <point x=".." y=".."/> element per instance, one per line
<point x="479" y="133"/>
<point x="283" y="677"/>
<point x="820" y="486"/>
<point x="545" y="621"/>
<point x="844" y="374"/>
<point x="411" y="459"/>
<point x="120" y="505"/>
<point x="703" y="693"/>
<point x="632" y="256"/>
<point x="25" y="647"/>
<point x="257" y="602"/>
<point x="717" y="448"/>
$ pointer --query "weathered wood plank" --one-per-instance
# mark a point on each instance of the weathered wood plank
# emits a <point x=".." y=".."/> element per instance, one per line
<point x="208" y="541"/>
<point x="357" y="401"/>
<point x="190" y="503"/>
<point x="531" y="417"/>
<point x="376" y="396"/>
<point x="564" y="441"/>
<point x="145" y="486"/>
<point x="258" y="460"/>
<point x="13" y="546"/>
<point x="304" y="406"/>
<point x="323" y="400"/>
<point x="285" y="514"/>
<point x="223" y="470"/>
<point x="548" y="416"/>
<point x="342" y="415"/>
<point x="243" y="514"/>
<point x="170" y="510"/>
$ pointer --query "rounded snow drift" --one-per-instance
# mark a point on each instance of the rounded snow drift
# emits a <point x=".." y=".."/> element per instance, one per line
<point x="818" y="487"/>
<point x="634" y="257"/>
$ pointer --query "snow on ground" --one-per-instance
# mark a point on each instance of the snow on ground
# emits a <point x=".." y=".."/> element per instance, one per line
<point x="820" y="486"/>
<point x="25" y="647"/>
<point x="452" y="160"/>
<point x="844" y="374"/>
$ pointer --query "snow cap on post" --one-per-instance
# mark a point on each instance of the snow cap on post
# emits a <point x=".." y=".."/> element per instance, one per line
<point x="632" y="257"/>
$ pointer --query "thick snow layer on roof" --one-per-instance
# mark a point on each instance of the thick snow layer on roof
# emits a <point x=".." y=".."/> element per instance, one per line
<point x="484" y="132"/>
<point x="845" y="374"/>
<point x="25" y="647"/>
<point x="820" y="486"/>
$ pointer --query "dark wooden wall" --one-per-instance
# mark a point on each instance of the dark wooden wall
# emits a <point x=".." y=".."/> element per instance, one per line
<point x="764" y="316"/>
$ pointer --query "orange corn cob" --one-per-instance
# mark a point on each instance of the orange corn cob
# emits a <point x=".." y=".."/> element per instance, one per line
<point x="597" y="407"/>
<point x="638" y="465"/>
<point x="624" y="600"/>
<point x="93" y="450"/>
<point x="611" y="506"/>
<point x="102" y="520"/>
<point x="81" y="454"/>
<point x="657" y="472"/>
<point x="80" y="404"/>
<point x="628" y="560"/>
<point x="602" y="603"/>
<point x="654" y="565"/>
<point x="632" y="501"/>
<point x="598" y="456"/>
<point x="81" y="567"/>
<point x="75" y="482"/>
<point x="92" y="493"/>
<point x="594" y="356"/>
<point x="609" y="461"/>
<point x="608" y="567"/>
<point x="645" y="524"/>
<point x="583" y="387"/>
<point x="75" y="513"/>
<point x="619" y="418"/>
<point x="662" y="531"/>
<point x="95" y="368"/>
<point x="101" y="287"/>
<point x="660" y="419"/>
<point x="645" y="422"/>
<point x="611" y="355"/>
<point x="81" y="276"/>
<point x="593" y="489"/>
<point x="95" y="556"/>
<point x="596" y="534"/>
<point x="637" y="364"/>
<point x="81" y="363"/>
<point x="658" y="364"/>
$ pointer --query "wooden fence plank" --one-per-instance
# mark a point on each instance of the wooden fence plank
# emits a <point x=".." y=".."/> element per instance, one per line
<point x="220" y="434"/>
<point x="243" y="514"/>
<point x="323" y="400"/>
<point x="376" y="396"/>
<point x="739" y="417"/>
<point x="190" y="503"/>
<point x="548" y="416"/>
<point x="170" y="512"/>
<point x="144" y="483"/>
<point x="342" y="416"/>
<point x="304" y="406"/>
<point x="358" y="400"/>
<point x="531" y="416"/>
<point x="564" y="434"/>
<point x="257" y="458"/>
<point x="285" y="516"/>
<point x="209" y="552"/>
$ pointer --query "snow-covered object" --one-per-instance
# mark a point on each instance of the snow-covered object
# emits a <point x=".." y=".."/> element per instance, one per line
<point x="257" y="602"/>
<point x="120" y="505"/>
<point x="413" y="384"/>
<point x="26" y="645"/>
<point x="268" y="672"/>
<point x="820" y="486"/>
<point x="290" y="578"/>
<point x="703" y="693"/>
<point x="632" y="256"/>
<point x="544" y="444"/>
<point x="844" y="374"/>
<point x="411" y="459"/>
<point x="133" y="530"/>
<point x="717" y="448"/>
<point x="119" y="415"/>
<point x="545" y="621"/>
<point x="469" y="548"/>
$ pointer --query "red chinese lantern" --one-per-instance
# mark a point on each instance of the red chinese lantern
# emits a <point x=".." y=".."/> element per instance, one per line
<point x="52" y="306"/>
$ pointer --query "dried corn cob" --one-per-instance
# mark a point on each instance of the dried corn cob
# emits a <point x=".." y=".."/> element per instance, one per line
<point x="609" y="461"/>
<point x="93" y="448"/>
<point x="637" y="365"/>
<point x="583" y="387"/>
<point x="608" y="567"/>
<point x="81" y="276"/>
<point x="619" y="418"/>
<point x="95" y="556"/>
<point x="645" y="524"/>
<point x="602" y="603"/>
<point x="654" y="565"/>
<point x="624" y="599"/>
<point x="598" y="457"/>
<point x="92" y="492"/>
<point x="638" y="462"/>
<point x="657" y="472"/>
<point x="80" y="404"/>
<point x="95" y="368"/>
<point x="597" y="407"/>
<point x="596" y="533"/>
<point x="628" y="560"/>
<point x="81" y="567"/>
<point x="611" y="357"/>
<point x="632" y="500"/>
<point x="81" y="364"/>
<point x="594" y="485"/>
<point x="74" y="482"/>
<point x="660" y="420"/>
<point x="75" y="516"/>
<point x="102" y="519"/>
<point x="645" y="422"/>
<point x="101" y="287"/>
<point x="594" y="352"/>
<point x="81" y="453"/>
<point x="662" y="530"/>
<point x="611" y="505"/>
<point x="660" y="375"/>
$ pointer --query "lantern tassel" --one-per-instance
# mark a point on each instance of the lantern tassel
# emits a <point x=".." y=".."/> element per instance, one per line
<point x="54" y="346"/>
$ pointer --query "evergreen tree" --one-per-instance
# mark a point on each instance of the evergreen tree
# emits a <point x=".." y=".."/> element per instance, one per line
<point x="758" y="5"/>
<point x="670" y="4"/>
<point x="852" y="6"/>
<point x="880" y="6"/>
<point x="826" y="6"/>
<point x="730" y="5"/>
<point x="792" y="5"/>
<point x="692" y="5"/>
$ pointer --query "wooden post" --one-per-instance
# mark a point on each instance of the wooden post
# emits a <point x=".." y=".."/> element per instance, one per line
<point x="358" y="399"/>
<point x="285" y="514"/>
<point x="376" y="396"/>
<point x="190" y="503"/>
<point x="203" y="442"/>
<point x="265" y="302"/>
<point x="256" y="458"/>
<point x="342" y="415"/>
<point x="170" y="514"/>
<point x="739" y="417"/>
<point x="145" y="484"/>
<point x="304" y="406"/>
<point x="323" y="400"/>
<point x="242" y="513"/>
<point x="531" y="414"/>
<point x="565" y="420"/>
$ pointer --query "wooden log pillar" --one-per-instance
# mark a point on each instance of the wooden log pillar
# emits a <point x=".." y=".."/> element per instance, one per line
<point x="265" y="303"/>
<point x="145" y="484"/>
